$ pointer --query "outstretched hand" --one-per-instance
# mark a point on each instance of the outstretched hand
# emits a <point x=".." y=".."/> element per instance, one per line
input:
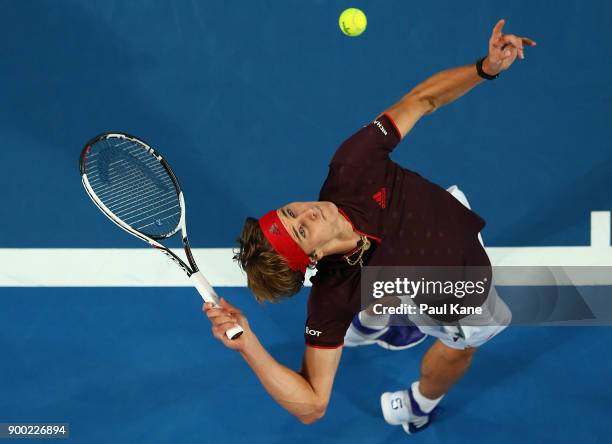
<point x="504" y="49"/>
<point x="224" y="317"/>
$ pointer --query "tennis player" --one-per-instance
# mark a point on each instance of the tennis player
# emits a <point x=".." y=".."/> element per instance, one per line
<point x="371" y="211"/>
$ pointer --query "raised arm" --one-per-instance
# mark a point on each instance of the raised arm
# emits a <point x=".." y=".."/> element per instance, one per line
<point x="449" y="85"/>
<point x="304" y="394"/>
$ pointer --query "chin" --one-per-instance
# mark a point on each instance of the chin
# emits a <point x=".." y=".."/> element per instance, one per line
<point x="332" y="206"/>
<point x="329" y="210"/>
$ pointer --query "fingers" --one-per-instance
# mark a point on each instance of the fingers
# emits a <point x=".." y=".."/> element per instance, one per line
<point x="500" y="41"/>
<point x="208" y="307"/>
<point x="217" y="317"/>
<point x="223" y="306"/>
<point x="508" y="50"/>
<point x="497" y="30"/>
<point x="511" y="39"/>
<point x="229" y="307"/>
<point x="216" y="313"/>
<point x="221" y="319"/>
<point x="220" y="324"/>
<point x="528" y="41"/>
<point x="219" y="330"/>
<point x="510" y="54"/>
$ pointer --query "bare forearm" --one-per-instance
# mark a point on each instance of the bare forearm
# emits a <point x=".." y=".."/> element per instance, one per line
<point x="446" y="86"/>
<point x="287" y="387"/>
<point x="451" y="84"/>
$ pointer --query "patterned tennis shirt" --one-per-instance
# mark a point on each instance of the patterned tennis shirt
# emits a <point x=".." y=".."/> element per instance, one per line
<point x="409" y="220"/>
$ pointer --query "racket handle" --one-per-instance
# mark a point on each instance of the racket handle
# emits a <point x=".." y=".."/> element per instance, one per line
<point x="209" y="295"/>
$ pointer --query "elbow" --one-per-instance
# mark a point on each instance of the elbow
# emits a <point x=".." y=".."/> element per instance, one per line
<point x="311" y="418"/>
<point x="425" y="103"/>
<point x="308" y="420"/>
<point x="428" y="104"/>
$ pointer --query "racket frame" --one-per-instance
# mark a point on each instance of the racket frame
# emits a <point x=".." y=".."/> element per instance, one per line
<point x="191" y="270"/>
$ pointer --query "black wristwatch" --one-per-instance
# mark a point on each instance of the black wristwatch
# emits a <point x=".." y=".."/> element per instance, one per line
<point x="483" y="74"/>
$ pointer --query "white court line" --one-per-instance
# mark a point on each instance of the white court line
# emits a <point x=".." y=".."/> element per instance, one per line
<point x="143" y="267"/>
<point x="600" y="229"/>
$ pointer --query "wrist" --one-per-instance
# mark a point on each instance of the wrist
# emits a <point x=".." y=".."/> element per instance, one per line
<point x="250" y="344"/>
<point x="486" y="70"/>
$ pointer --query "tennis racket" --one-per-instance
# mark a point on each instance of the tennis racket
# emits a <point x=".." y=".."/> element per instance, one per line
<point x="135" y="187"/>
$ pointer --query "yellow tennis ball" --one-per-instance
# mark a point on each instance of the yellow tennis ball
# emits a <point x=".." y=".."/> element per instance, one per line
<point x="352" y="22"/>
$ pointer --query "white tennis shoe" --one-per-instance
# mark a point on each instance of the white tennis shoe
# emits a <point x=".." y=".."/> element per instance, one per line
<point x="400" y="408"/>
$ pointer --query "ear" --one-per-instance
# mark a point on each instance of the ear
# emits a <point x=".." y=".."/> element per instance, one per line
<point x="314" y="257"/>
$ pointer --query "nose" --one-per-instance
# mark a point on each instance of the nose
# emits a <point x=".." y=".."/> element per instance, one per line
<point x="310" y="214"/>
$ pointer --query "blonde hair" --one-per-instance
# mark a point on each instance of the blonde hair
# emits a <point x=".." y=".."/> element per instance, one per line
<point x="268" y="275"/>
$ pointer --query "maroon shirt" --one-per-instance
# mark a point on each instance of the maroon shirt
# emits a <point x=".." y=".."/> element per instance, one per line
<point x="409" y="220"/>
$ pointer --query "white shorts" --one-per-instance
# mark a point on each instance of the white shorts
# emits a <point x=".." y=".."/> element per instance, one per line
<point x="495" y="317"/>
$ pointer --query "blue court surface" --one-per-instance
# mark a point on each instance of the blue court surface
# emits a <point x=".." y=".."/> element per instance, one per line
<point x="248" y="101"/>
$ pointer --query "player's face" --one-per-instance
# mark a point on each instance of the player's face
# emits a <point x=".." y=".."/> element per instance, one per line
<point x="312" y="224"/>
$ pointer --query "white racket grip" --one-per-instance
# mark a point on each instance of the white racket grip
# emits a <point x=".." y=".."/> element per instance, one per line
<point x="209" y="295"/>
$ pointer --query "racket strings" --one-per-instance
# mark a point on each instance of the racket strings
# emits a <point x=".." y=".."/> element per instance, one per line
<point x="133" y="184"/>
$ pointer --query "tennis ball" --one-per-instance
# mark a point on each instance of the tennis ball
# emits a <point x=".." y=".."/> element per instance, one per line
<point x="352" y="22"/>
